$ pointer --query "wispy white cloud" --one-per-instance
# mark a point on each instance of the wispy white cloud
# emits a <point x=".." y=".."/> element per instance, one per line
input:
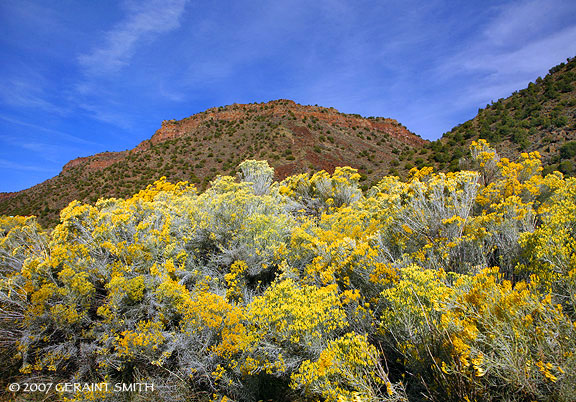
<point x="524" y="37"/>
<point x="43" y="149"/>
<point x="7" y="164"/>
<point x="58" y="133"/>
<point x="46" y="152"/>
<point x="530" y="57"/>
<point x="520" y="43"/>
<point x="523" y="20"/>
<point x="107" y="112"/>
<point x="145" y="20"/>
<point x="508" y="72"/>
<point x="100" y="92"/>
<point x="27" y="91"/>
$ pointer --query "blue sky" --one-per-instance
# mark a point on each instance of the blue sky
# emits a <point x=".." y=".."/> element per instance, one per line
<point x="79" y="77"/>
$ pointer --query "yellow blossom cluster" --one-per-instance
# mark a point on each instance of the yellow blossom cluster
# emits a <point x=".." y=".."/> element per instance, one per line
<point x="443" y="287"/>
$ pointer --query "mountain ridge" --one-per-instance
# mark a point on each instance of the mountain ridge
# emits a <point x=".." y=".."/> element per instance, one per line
<point x="294" y="138"/>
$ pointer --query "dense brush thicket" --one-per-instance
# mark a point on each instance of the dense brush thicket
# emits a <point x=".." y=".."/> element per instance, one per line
<point x="446" y="287"/>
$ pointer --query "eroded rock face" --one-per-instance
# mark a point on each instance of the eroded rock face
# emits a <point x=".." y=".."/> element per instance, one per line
<point x="280" y="109"/>
<point x="95" y="162"/>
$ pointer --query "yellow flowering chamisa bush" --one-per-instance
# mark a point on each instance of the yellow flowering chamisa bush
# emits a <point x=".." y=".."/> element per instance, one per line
<point x="347" y="369"/>
<point x="439" y="287"/>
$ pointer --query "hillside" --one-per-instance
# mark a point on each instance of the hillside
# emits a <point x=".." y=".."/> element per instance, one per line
<point x="541" y="117"/>
<point x="296" y="138"/>
<point x="292" y="137"/>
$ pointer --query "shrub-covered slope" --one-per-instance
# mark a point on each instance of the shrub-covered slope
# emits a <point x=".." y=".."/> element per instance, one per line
<point x="294" y="138"/>
<point x="444" y="287"/>
<point x="541" y="117"/>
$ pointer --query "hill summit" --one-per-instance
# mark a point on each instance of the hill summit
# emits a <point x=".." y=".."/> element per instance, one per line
<point x="293" y="138"/>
